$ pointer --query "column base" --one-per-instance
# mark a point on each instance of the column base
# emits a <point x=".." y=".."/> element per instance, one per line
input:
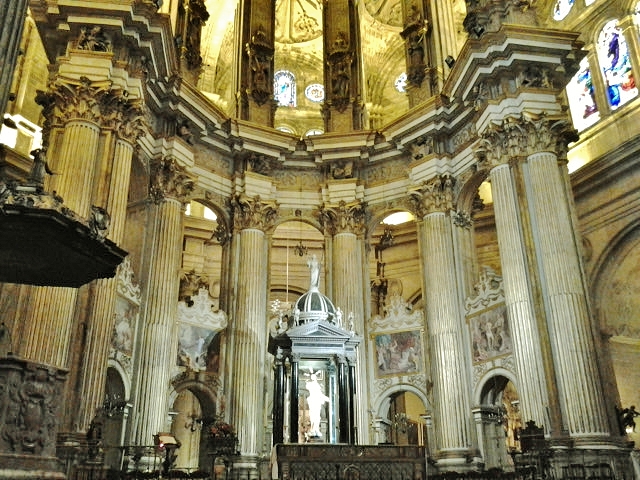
<point x="458" y="460"/>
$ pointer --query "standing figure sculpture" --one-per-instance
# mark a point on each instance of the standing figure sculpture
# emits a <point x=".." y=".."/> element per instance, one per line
<point x="315" y="400"/>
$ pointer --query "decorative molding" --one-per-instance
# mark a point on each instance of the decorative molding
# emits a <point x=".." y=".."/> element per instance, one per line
<point x="200" y="312"/>
<point x="488" y="291"/>
<point x="399" y="315"/>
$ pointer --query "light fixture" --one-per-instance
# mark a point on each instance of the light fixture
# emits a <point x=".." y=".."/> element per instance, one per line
<point x="478" y="30"/>
<point x="300" y="249"/>
<point x="450" y="61"/>
<point x="194" y="422"/>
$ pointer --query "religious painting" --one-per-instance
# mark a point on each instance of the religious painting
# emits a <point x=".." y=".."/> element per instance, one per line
<point x="399" y="353"/>
<point x="490" y="335"/>
<point x="126" y="314"/>
<point x="198" y="348"/>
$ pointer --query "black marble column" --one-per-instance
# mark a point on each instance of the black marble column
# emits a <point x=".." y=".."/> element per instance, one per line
<point x="293" y="404"/>
<point x="345" y="422"/>
<point x="352" y="400"/>
<point x="278" y="400"/>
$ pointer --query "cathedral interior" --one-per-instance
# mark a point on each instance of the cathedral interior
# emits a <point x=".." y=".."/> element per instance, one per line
<point x="310" y="239"/>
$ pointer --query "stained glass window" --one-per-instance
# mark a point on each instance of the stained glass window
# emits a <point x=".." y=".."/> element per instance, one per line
<point x="613" y="56"/>
<point x="582" y="102"/>
<point x="314" y="92"/>
<point x="284" y="87"/>
<point x="401" y="82"/>
<point x="562" y="9"/>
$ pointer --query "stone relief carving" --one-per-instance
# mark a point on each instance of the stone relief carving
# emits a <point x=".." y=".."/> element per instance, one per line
<point x="423" y="146"/>
<point x="398" y="315"/>
<point x="189" y="36"/>
<point x="343" y="218"/>
<point x="488" y="15"/>
<point x="29" y="400"/>
<point x="487" y="291"/>
<point x="260" y="53"/>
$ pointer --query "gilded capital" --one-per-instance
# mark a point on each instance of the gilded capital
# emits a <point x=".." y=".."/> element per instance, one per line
<point x="435" y="195"/>
<point x="349" y="218"/>
<point x="169" y="180"/>
<point x="253" y="213"/>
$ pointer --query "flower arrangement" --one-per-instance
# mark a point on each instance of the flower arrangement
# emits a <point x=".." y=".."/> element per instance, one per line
<point x="220" y="429"/>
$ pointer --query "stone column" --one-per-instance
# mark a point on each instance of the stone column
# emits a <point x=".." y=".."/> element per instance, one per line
<point x="445" y="42"/>
<point x="252" y="219"/>
<point x="13" y="13"/>
<point x="344" y="421"/>
<point x="445" y="323"/>
<point x="73" y="110"/>
<point x="530" y="360"/>
<point x="345" y="223"/>
<point x="563" y="287"/>
<point x="169" y="190"/>
<point x="342" y="76"/>
<point x="101" y="310"/>
<point x="255" y="92"/>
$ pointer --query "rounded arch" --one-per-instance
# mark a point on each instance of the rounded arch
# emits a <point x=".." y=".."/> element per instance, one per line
<point x="469" y="190"/>
<point x="118" y="370"/>
<point x="491" y="382"/>
<point x="609" y="261"/>
<point x="382" y="401"/>
<point x="203" y="392"/>
<point x="299" y="216"/>
<point x="217" y="206"/>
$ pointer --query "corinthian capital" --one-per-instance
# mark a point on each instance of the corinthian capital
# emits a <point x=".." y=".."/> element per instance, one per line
<point x="524" y="135"/>
<point x="169" y="180"/>
<point x="253" y="213"/>
<point x="126" y="117"/>
<point x="435" y="195"/>
<point x="345" y="217"/>
<point x="69" y="100"/>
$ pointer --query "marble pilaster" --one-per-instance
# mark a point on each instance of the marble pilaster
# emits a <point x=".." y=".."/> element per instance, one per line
<point x="169" y="189"/>
<point x="345" y="223"/>
<point x="13" y="13"/>
<point x="445" y="42"/>
<point x="252" y="219"/>
<point x="520" y="311"/>
<point x="568" y="316"/>
<point x="452" y="428"/>
<point x="74" y="109"/>
<point x="100" y="319"/>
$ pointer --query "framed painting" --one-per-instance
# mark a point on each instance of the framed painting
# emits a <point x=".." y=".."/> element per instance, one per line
<point x="490" y="334"/>
<point x="399" y="353"/>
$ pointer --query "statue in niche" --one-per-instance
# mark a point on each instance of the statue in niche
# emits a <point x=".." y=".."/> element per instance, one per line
<point x="314" y="266"/>
<point x="93" y="39"/>
<point x="340" y="79"/>
<point x="416" y="49"/>
<point x="342" y="170"/>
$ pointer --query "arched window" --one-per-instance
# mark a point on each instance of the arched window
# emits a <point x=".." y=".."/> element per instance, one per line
<point x="582" y="102"/>
<point x="562" y="9"/>
<point x="613" y="56"/>
<point x="284" y="86"/>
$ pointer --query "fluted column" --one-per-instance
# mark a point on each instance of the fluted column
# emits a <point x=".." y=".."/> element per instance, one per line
<point x="345" y="223"/>
<point x="101" y="315"/>
<point x="252" y="218"/>
<point x="445" y="42"/>
<point x="169" y="189"/>
<point x="278" y="398"/>
<point x="445" y="321"/>
<point x="13" y="13"/>
<point x="565" y="297"/>
<point x="518" y="297"/>
<point x="73" y="109"/>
